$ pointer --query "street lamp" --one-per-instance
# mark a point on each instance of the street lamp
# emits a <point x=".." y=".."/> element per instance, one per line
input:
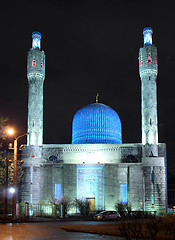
<point x="6" y="184"/>
<point x="15" y="173"/>
<point x="15" y="148"/>
<point x="11" y="190"/>
<point x="10" y="132"/>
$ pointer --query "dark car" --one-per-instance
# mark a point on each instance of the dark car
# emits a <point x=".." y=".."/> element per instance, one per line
<point x="107" y="215"/>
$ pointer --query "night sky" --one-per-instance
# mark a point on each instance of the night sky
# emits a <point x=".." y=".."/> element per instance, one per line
<point x="90" y="47"/>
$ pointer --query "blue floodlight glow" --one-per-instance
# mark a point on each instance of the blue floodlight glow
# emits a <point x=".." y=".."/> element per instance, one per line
<point x="96" y="123"/>
<point x="147" y="33"/>
<point x="31" y="177"/>
<point x="57" y="193"/>
<point x="31" y="199"/>
<point x="36" y="40"/>
<point x="123" y="193"/>
<point x="90" y="184"/>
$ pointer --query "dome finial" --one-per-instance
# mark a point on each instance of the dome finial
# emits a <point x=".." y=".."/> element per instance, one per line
<point x="97" y="95"/>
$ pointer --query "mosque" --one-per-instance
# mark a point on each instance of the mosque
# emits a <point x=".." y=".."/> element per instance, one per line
<point x="96" y="167"/>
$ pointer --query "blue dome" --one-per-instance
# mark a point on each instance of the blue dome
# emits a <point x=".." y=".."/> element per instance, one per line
<point x="96" y="123"/>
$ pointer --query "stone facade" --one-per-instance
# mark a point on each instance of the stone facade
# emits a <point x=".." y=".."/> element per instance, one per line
<point x="148" y="69"/>
<point x="120" y="164"/>
<point x="105" y="174"/>
<point x="36" y="76"/>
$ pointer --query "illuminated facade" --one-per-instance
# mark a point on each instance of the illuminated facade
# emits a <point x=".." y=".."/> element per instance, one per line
<point x="96" y="123"/>
<point x="97" y="167"/>
<point x="36" y="76"/>
<point x="148" y="69"/>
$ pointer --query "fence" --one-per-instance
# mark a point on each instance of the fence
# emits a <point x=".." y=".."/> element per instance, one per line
<point x="42" y="210"/>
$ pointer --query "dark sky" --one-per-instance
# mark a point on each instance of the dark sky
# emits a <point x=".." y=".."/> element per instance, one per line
<point x="90" y="46"/>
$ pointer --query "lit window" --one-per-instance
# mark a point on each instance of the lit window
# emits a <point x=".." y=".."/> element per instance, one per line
<point x="152" y="200"/>
<point x="149" y="58"/>
<point x="57" y="193"/>
<point x="42" y="64"/>
<point x="33" y="63"/>
<point x="141" y="60"/>
<point x="123" y="193"/>
<point x="152" y="177"/>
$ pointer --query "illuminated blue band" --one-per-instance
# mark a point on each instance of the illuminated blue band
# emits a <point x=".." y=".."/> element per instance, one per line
<point x="147" y="33"/>
<point x="36" y="40"/>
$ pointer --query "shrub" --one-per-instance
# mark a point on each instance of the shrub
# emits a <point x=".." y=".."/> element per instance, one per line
<point x="83" y="206"/>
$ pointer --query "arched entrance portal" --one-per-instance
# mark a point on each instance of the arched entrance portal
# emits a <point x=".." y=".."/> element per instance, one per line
<point x="90" y="185"/>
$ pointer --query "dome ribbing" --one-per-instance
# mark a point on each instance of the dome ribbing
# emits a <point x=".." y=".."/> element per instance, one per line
<point x="96" y="123"/>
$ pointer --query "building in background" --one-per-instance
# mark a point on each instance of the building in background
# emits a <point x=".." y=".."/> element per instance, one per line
<point x="97" y="167"/>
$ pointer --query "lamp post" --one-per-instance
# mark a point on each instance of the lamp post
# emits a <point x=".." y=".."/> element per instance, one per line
<point x="15" y="174"/>
<point x="9" y="132"/>
<point x="6" y="184"/>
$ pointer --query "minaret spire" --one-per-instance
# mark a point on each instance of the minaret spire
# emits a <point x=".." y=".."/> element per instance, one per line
<point x="148" y="69"/>
<point x="36" y="76"/>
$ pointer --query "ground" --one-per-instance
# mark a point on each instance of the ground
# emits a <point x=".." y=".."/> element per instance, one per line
<point x="107" y="229"/>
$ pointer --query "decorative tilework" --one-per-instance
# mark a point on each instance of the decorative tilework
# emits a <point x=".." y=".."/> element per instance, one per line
<point x="90" y="184"/>
<point x="96" y="123"/>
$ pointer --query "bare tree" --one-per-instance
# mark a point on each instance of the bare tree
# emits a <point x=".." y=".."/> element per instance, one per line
<point x="83" y="206"/>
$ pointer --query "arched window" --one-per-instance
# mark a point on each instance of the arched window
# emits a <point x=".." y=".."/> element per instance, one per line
<point x="131" y="159"/>
<point x="149" y="58"/>
<point x="52" y="158"/>
<point x="42" y="64"/>
<point x="33" y="62"/>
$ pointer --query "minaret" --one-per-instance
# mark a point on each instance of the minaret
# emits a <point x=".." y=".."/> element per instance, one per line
<point x="148" y="68"/>
<point x="36" y="76"/>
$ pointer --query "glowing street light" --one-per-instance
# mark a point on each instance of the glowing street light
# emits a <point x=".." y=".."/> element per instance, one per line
<point x="15" y="148"/>
<point x="11" y="190"/>
<point x="10" y="131"/>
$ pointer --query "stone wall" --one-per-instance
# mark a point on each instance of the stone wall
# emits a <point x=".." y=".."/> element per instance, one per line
<point x="122" y="164"/>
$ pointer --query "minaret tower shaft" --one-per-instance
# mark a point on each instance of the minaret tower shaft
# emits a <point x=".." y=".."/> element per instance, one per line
<point x="148" y="69"/>
<point x="36" y="76"/>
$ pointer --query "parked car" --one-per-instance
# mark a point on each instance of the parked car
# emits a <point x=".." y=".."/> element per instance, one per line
<point x="107" y="215"/>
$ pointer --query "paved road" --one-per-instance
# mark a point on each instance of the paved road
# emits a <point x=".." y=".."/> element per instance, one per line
<point x="45" y="231"/>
